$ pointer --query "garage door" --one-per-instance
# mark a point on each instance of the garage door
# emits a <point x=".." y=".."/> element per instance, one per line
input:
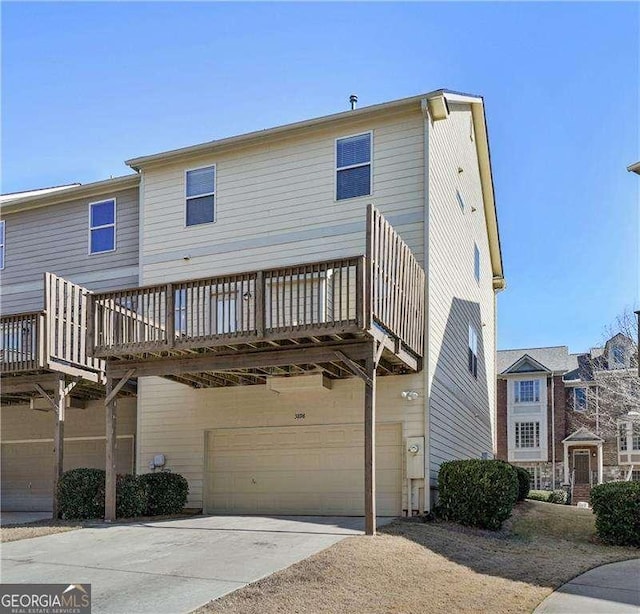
<point x="27" y="468"/>
<point x="314" y="470"/>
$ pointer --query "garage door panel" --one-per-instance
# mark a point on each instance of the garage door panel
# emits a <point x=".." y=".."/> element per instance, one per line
<point x="300" y="470"/>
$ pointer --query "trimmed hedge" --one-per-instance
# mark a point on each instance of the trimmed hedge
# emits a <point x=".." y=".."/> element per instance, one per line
<point x="80" y="493"/>
<point x="479" y="493"/>
<point x="131" y="496"/>
<point x="524" y="482"/>
<point x="167" y="493"/>
<point x="549" y="496"/>
<point x="617" y="509"/>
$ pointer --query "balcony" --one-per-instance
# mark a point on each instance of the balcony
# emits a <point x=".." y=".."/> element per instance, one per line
<point x="214" y="329"/>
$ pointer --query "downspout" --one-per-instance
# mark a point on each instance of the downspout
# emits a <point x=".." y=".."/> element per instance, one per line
<point x="426" y="366"/>
<point x="553" y="433"/>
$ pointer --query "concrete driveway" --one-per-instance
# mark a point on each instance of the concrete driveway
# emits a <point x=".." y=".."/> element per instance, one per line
<point x="7" y="518"/>
<point x="174" y="566"/>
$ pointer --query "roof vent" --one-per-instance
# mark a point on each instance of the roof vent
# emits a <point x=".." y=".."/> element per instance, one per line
<point x="353" y="99"/>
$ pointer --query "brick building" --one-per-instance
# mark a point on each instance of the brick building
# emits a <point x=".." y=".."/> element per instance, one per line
<point x="557" y="418"/>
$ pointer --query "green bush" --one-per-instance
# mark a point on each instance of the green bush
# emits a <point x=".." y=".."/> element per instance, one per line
<point x="167" y="493"/>
<point x="479" y="493"/>
<point x="81" y="494"/>
<point x="617" y="509"/>
<point x="524" y="482"/>
<point x="549" y="496"/>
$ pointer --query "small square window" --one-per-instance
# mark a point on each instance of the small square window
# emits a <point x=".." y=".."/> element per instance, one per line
<point x="527" y="434"/>
<point x="353" y="166"/>
<point x="201" y="189"/>
<point x="102" y="226"/>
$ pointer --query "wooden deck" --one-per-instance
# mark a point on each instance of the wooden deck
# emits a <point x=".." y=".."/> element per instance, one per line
<point x="240" y="329"/>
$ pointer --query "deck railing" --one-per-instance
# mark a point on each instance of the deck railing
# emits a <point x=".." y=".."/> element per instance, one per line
<point x="57" y="335"/>
<point x="384" y="289"/>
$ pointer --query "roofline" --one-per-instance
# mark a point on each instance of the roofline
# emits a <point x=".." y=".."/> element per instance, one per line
<point x="543" y="347"/>
<point x="634" y="168"/>
<point x="80" y="191"/>
<point x="544" y="369"/>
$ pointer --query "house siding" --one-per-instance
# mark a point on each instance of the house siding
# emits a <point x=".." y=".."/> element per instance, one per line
<point x="275" y="203"/>
<point x="55" y="239"/>
<point x="461" y="407"/>
<point x="173" y="418"/>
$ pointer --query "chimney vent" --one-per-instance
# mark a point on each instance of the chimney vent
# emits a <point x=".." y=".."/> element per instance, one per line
<point x="353" y="99"/>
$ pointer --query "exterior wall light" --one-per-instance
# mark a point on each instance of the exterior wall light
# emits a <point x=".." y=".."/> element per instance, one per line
<point x="410" y="395"/>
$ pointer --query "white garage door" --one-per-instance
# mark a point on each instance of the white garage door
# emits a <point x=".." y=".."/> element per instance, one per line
<point x="313" y="470"/>
<point x="27" y="468"/>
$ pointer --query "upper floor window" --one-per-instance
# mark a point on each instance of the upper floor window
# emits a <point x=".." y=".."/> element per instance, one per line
<point x="473" y="351"/>
<point x="527" y="391"/>
<point x="102" y="226"/>
<point x="353" y="166"/>
<point x="476" y="262"/>
<point x="629" y="436"/>
<point x="618" y="356"/>
<point x="527" y="434"/>
<point x="1" y="244"/>
<point x="460" y="201"/>
<point x="579" y="399"/>
<point x="201" y="191"/>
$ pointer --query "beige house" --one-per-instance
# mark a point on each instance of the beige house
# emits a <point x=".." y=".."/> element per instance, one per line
<point x="313" y="326"/>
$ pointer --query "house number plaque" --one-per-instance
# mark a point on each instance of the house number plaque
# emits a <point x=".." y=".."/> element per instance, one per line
<point x="300" y="416"/>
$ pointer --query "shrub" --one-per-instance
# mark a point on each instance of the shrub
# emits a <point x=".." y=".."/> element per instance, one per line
<point x="480" y="493"/>
<point x="549" y="496"/>
<point x="617" y="509"/>
<point x="524" y="482"/>
<point x="81" y="494"/>
<point x="167" y="493"/>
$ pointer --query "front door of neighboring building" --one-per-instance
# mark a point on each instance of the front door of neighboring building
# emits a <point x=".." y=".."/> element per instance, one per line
<point x="581" y="466"/>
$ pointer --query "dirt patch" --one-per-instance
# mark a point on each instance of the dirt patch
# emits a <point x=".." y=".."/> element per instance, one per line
<point x="438" y="567"/>
<point x="39" y="528"/>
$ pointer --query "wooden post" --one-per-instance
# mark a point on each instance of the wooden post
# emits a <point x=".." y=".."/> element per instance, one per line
<point x="60" y="401"/>
<point x="169" y="308"/>
<point x="110" y="463"/>
<point x="370" y="447"/>
<point x="260" y="304"/>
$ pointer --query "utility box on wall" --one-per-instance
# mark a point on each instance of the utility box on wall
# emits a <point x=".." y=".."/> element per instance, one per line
<point x="414" y="453"/>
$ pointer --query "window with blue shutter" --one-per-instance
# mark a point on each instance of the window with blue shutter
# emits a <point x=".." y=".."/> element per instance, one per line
<point x="353" y="166"/>
<point x="201" y="190"/>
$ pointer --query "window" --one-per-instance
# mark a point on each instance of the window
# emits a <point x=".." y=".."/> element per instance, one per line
<point x="618" y="356"/>
<point x="579" y="399"/>
<point x="473" y="351"/>
<point x="102" y="226"/>
<point x="353" y="166"/>
<point x="635" y="436"/>
<point x="527" y="434"/>
<point x="527" y="391"/>
<point x="476" y="262"/>
<point x="201" y="190"/>
<point x="1" y="244"/>
<point x="623" y="442"/>
<point x="460" y="201"/>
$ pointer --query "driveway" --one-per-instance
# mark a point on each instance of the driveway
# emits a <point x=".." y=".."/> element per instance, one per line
<point x="7" y="518"/>
<point x="174" y="566"/>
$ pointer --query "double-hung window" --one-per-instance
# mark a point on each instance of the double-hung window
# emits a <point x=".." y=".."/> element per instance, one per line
<point x="102" y="226"/>
<point x="527" y="391"/>
<point x="201" y="193"/>
<point x="579" y="399"/>
<point x="473" y="351"/>
<point x="527" y="434"/>
<point x="353" y="166"/>
<point x="1" y="244"/>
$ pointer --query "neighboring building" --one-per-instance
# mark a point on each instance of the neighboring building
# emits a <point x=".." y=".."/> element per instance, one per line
<point x="559" y="416"/>
<point x="269" y="278"/>
<point x="87" y="234"/>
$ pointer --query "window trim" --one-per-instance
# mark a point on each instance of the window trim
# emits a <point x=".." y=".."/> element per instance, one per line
<point x="516" y="392"/>
<point x="214" y="194"/>
<point x="3" y="226"/>
<point x="335" y="166"/>
<point x="517" y="434"/>
<point x="115" y="224"/>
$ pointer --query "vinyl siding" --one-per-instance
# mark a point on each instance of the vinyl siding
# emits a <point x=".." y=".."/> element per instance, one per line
<point x="173" y="418"/>
<point x="461" y="407"/>
<point x="55" y="239"/>
<point x="275" y="203"/>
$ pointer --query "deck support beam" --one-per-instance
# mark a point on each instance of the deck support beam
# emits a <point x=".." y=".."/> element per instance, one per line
<point x="59" y="398"/>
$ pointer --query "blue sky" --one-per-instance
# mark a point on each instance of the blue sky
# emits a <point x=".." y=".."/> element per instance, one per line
<point x="86" y="86"/>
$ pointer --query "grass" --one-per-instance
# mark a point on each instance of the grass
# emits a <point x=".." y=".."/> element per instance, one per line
<point x="438" y="567"/>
